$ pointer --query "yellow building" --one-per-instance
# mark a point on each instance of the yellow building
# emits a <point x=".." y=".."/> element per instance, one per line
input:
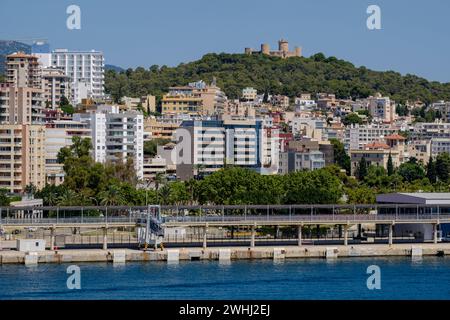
<point x="196" y="98"/>
<point x="375" y="153"/>
<point x="162" y="128"/>
<point x="182" y="100"/>
<point x="149" y="103"/>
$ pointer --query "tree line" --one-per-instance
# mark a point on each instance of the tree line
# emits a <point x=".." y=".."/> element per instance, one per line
<point x="274" y="75"/>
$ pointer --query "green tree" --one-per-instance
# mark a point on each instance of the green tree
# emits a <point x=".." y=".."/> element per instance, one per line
<point x="362" y="169"/>
<point x="341" y="158"/>
<point x="30" y="189"/>
<point x="352" y="118"/>
<point x="112" y="196"/>
<point x="68" y="198"/>
<point x="411" y="171"/>
<point x="68" y="109"/>
<point x="164" y="194"/>
<point x="360" y="195"/>
<point x="273" y="75"/>
<point x="150" y="147"/>
<point x="431" y="171"/>
<point x="390" y="165"/>
<point x="5" y="200"/>
<point x="318" y="186"/>
<point x="443" y="167"/>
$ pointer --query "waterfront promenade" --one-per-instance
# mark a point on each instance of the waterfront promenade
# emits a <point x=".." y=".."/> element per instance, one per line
<point x="205" y="219"/>
<point x="231" y="216"/>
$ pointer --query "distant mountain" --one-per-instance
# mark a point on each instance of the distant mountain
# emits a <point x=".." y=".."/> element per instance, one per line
<point x="8" y="47"/>
<point x="290" y="77"/>
<point x="113" y="67"/>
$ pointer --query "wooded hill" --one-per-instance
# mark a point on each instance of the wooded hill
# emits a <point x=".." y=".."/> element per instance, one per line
<point x="274" y="75"/>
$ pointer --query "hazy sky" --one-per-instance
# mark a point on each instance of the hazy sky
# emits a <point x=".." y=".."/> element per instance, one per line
<point x="414" y="36"/>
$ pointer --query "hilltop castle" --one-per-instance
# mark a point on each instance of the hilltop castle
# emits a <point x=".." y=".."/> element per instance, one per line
<point x="282" y="52"/>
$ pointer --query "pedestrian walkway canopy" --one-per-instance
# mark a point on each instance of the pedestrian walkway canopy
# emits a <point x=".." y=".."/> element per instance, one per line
<point x="427" y="198"/>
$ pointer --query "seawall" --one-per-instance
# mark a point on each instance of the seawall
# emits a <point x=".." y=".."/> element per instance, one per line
<point x="225" y="253"/>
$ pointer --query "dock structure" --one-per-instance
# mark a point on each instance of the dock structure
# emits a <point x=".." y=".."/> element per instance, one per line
<point x="228" y="254"/>
<point x="206" y="217"/>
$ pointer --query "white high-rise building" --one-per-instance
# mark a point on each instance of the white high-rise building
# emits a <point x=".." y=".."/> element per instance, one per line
<point x="205" y="146"/>
<point x="85" y="70"/>
<point x="116" y="136"/>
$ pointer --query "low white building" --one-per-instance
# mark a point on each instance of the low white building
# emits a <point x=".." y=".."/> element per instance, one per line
<point x="429" y="203"/>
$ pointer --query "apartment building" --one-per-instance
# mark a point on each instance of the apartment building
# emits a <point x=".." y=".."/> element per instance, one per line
<point x="55" y="85"/>
<point x="85" y="70"/>
<point x="305" y="154"/>
<point x="280" y="101"/>
<point x="154" y="166"/>
<point x="59" y="134"/>
<point x="311" y="127"/>
<point x="208" y="145"/>
<point x="304" y="103"/>
<point x="22" y="156"/>
<point x="239" y="109"/>
<point x="213" y="98"/>
<point x="375" y="153"/>
<point x="249" y="94"/>
<point x="382" y="108"/>
<point x="116" y="136"/>
<point x="444" y="108"/>
<point x="20" y="105"/>
<point x="197" y="98"/>
<point x="22" y="135"/>
<point x="21" y="97"/>
<point x="292" y="161"/>
<point x="161" y="127"/>
<point x="182" y="100"/>
<point x="357" y="136"/>
<point x="440" y="145"/>
<point x="23" y="70"/>
<point x="148" y="103"/>
<point x="437" y="134"/>
<point x="419" y="149"/>
<point x="430" y="130"/>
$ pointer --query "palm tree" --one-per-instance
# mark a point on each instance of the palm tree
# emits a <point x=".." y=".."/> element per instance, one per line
<point x="68" y="198"/>
<point x="30" y="189"/>
<point x="164" y="194"/>
<point x="112" y="196"/>
<point x="190" y="186"/>
<point x="159" y="179"/>
<point x="51" y="199"/>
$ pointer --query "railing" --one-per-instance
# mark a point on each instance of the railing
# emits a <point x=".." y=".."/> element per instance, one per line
<point x="322" y="218"/>
<point x="308" y="218"/>
<point x="127" y="215"/>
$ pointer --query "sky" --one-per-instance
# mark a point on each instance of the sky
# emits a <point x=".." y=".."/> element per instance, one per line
<point x="413" y="37"/>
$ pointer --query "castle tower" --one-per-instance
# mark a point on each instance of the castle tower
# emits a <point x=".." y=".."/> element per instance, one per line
<point x="298" y="51"/>
<point x="248" y="51"/>
<point x="283" y="45"/>
<point x="265" y="49"/>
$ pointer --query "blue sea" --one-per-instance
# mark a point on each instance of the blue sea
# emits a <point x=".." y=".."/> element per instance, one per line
<point x="400" y="278"/>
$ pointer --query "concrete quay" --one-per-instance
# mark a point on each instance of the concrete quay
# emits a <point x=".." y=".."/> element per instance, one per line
<point x="225" y="253"/>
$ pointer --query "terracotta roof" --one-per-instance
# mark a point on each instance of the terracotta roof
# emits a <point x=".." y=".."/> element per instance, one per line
<point x="377" y="145"/>
<point x="20" y="55"/>
<point x="395" y="137"/>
